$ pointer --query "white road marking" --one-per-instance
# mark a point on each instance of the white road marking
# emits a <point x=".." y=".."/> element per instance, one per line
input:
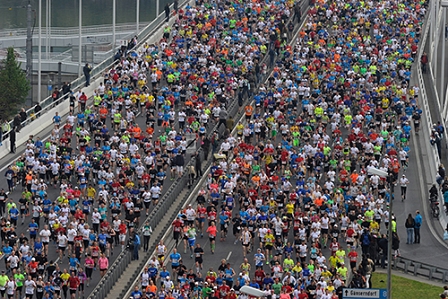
<point x="228" y="256"/>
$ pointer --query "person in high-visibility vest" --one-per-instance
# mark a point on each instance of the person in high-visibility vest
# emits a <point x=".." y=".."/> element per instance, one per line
<point x="97" y="101"/>
<point x="117" y="120"/>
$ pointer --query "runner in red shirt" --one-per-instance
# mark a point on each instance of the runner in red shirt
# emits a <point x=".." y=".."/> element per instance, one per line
<point x="73" y="284"/>
<point x="353" y="256"/>
<point x="177" y="229"/>
<point x="201" y="216"/>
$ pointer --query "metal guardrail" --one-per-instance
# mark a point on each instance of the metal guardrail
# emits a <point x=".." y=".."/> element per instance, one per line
<point x="67" y="31"/>
<point x="427" y="124"/>
<point x="415" y="268"/>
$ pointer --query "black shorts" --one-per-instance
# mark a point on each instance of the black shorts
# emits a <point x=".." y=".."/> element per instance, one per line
<point x="73" y="291"/>
<point x="324" y="231"/>
<point x="62" y="248"/>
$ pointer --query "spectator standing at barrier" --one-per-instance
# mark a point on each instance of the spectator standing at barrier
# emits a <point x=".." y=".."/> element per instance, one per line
<point x="17" y="123"/>
<point x="66" y="86"/>
<point x="87" y="69"/>
<point x="12" y="141"/>
<point x="417" y="226"/>
<point x="37" y="109"/>
<point x="176" y="6"/>
<point x="410" y="226"/>
<point x="23" y="115"/>
<point x="6" y="127"/>
<point x="167" y="13"/>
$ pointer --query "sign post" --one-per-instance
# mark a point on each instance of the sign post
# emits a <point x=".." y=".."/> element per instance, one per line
<point x="364" y="293"/>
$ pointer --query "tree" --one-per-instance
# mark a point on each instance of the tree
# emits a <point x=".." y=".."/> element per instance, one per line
<point x="14" y="86"/>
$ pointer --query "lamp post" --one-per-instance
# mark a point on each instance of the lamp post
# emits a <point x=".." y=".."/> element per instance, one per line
<point x="47" y="28"/>
<point x="80" y="40"/>
<point x="39" y="59"/>
<point x="114" y="14"/>
<point x="29" y="49"/>
<point x="384" y="175"/>
<point x="444" y="5"/>
<point x="138" y="16"/>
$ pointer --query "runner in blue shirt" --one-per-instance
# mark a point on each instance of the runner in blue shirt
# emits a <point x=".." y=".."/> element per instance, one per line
<point x="136" y="294"/>
<point x="32" y="228"/>
<point x="175" y="258"/>
<point x="14" y="215"/>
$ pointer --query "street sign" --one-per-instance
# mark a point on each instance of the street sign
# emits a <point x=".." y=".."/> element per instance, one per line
<point x="364" y="293"/>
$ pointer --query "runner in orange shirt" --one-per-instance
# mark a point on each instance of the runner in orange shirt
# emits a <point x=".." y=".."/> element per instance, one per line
<point x="249" y="111"/>
<point x="212" y="231"/>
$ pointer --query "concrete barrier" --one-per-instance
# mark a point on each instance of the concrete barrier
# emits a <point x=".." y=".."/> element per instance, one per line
<point x="45" y="119"/>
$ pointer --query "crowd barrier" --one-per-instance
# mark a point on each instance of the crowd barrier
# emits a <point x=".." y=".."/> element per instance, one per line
<point x="415" y="268"/>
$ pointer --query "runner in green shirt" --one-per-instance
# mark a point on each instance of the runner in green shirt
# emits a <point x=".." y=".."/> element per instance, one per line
<point x="117" y="120"/>
<point x="19" y="278"/>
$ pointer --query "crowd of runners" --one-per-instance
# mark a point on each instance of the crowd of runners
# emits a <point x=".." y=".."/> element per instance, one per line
<point x="292" y="185"/>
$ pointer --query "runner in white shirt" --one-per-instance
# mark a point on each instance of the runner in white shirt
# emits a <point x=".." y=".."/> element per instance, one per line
<point x="10" y="288"/>
<point x="155" y="193"/>
<point x="71" y="234"/>
<point x="13" y="261"/>
<point x="30" y="286"/>
<point x="404" y="186"/>
<point x="62" y="244"/>
<point x="191" y="215"/>
<point x="45" y="235"/>
<point x="96" y="218"/>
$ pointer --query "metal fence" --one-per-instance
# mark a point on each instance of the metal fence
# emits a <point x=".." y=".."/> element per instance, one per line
<point x="67" y="31"/>
<point x="416" y="268"/>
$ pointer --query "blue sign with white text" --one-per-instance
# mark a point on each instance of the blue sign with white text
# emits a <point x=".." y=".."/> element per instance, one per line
<point x="364" y="293"/>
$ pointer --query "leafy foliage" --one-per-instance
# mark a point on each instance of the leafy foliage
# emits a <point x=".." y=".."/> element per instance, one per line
<point x="14" y="86"/>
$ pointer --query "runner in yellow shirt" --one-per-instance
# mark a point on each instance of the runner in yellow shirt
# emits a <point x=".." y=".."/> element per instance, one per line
<point x="269" y="244"/>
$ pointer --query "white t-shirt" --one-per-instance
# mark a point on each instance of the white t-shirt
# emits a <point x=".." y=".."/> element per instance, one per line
<point x="13" y="261"/>
<point x="30" y="285"/>
<point x="71" y="234"/>
<point x="10" y="286"/>
<point x="45" y="235"/>
<point x="62" y="240"/>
